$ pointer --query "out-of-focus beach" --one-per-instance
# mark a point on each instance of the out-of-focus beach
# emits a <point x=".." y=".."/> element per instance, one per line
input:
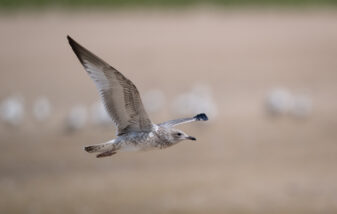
<point x="244" y="160"/>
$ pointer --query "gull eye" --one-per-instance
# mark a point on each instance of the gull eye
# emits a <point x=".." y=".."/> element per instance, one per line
<point x="179" y="134"/>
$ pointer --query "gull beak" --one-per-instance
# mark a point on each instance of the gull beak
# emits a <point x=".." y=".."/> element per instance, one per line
<point x="191" y="138"/>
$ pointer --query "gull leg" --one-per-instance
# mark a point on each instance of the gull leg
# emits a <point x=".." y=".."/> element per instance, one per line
<point x="105" y="154"/>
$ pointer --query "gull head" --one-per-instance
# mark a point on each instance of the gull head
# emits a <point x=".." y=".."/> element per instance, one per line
<point x="177" y="136"/>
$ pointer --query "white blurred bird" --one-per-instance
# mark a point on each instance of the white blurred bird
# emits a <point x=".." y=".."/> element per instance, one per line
<point x="12" y="110"/>
<point x="279" y="102"/>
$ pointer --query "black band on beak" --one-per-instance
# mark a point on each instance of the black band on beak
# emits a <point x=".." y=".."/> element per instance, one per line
<point x="191" y="138"/>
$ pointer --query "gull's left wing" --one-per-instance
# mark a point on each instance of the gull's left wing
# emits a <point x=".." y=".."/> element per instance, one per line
<point x="171" y="123"/>
<point x="120" y="96"/>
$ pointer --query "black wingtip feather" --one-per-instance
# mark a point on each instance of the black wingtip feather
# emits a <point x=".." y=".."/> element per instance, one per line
<point x="84" y="54"/>
<point x="201" y="116"/>
<point x="71" y="41"/>
<point x="77" y="48"/>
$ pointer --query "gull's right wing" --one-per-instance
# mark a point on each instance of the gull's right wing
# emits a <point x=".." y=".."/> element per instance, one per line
<point x="176" y="122"/>
<point x="120" y="96"/>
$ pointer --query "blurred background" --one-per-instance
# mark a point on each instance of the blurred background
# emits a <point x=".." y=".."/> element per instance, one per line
<point x="264" y="71"/>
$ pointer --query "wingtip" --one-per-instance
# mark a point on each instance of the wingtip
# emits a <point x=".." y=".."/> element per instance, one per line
<point x="70" y="40"/>
<point x="77" y="48"/>
<point x="201" y="116"/>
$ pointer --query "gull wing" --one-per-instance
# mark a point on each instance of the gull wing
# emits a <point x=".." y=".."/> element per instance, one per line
<point x="120" y="96"/>
<point x="172" y="123"/>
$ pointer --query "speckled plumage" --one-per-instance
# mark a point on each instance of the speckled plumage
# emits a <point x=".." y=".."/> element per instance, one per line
<point x="135" y="131"/>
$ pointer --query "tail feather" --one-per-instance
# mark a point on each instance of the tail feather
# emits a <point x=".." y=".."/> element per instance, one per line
<point x="94" y="148"/>
<point x="103" y="147"/>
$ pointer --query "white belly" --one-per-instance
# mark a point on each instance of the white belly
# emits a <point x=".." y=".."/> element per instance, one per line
<point x="131" y="147"/>
<point x="138" y="142"/>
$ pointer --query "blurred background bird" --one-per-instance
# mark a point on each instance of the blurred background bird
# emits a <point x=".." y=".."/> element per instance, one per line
<point x="12" y="110"/>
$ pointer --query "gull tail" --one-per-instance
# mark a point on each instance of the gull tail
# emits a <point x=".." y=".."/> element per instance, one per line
<point x="105" y="149"/>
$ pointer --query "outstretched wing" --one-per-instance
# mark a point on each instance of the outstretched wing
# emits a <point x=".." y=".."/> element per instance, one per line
<point x="176" y="122"/>
<point x="120" y="96"/>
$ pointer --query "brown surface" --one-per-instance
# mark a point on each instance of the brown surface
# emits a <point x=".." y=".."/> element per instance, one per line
<point x="243" y="162"/>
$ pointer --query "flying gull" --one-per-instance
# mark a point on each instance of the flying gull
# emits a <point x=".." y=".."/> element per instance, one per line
<point x="135" y="131"/>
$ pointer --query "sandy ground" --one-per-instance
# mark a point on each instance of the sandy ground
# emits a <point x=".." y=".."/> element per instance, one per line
<point x="243" y="162"/>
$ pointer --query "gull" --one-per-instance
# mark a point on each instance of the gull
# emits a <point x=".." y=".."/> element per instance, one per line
<point x="12" y="110"/>
<point x="135" y="131"/>
<point x="283" y="102"/>
<point x="279" y="102"/>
